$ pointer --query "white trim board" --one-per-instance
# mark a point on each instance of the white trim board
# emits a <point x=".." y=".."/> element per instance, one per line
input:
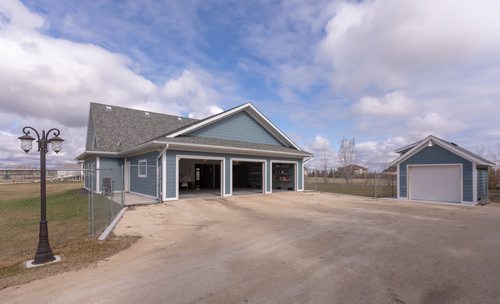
<point x="250" y="160"/>
<point x="296" y="171"/>
<point x="223" y="170"/>
<point x="98" y="174"/>
<point x="139" y="168"/>
<point x="228" y="150"/>
<point x="164" y="172"/>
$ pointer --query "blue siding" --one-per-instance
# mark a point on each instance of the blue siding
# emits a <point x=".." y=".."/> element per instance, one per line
<point x="240" y="126"/>
<point x="172" y="162"/>
<point x="482" y="184"/>
<point x="437" y="155"/>
<point x="145" y="185"/>
<point x="111" y="167"/>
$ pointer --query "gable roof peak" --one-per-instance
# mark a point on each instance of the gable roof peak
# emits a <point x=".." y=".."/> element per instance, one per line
<point x="252" y="110"/>
<point x="430" y="141"/>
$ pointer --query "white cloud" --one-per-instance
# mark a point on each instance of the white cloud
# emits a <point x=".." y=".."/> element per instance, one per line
<point x="391" y="104"/>
<point x="387" y="43"/>
<point x="194" y="89"/>
<point x="435" y="124"/>
<point x="45" y="78"/>
<point x="377" y="154"/>
<point x="321" y="143"/>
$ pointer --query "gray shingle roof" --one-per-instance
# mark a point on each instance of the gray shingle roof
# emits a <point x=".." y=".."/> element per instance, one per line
<point x="119" y="128"/>
<point x="230" y="144"/>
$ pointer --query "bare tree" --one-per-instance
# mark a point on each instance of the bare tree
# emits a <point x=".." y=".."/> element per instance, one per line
<point x="322" y="144"/>
<point x="347" y="154"/>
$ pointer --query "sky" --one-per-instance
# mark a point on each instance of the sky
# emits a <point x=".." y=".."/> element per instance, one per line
<point x="385" y="72"/>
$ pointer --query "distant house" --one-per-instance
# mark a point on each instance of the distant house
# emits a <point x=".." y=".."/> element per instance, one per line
<point x="168" y="157"/>
<point x="434" y="169"/>
<point x="390" y="171"/>
<point x="356" y="170"/>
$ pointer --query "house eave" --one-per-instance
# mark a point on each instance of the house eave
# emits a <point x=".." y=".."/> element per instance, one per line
<point x="234" y="150"/>
<point x="87" y="154"/>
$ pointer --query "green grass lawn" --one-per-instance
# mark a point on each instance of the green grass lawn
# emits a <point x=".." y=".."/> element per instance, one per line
<point x="383" y="190"/>
<point x="67" y="215"/>
<point x="68" y="222"/>
<point x="494" y="195"/>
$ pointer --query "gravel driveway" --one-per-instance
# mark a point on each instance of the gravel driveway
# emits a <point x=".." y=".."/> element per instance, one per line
<point x="291" y="248"/>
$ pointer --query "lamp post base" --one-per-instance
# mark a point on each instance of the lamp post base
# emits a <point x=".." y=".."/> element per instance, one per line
<point x="43" y="252"/>
<point x="31" y="264"/>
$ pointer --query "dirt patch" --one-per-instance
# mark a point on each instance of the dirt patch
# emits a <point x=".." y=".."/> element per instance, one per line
<point x="290" y="248"/>
<point x="74" y="256"/>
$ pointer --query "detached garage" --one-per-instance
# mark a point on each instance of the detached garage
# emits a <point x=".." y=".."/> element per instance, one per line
<point x="437" y="170"/>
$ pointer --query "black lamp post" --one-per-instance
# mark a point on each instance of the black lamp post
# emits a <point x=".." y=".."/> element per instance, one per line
<point x="44" y="252"/>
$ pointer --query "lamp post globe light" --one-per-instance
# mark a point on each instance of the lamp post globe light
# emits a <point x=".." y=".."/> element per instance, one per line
<point x="44" y="252"/>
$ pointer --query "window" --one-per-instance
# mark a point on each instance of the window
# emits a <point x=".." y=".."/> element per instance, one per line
<point x="143" y="168"/>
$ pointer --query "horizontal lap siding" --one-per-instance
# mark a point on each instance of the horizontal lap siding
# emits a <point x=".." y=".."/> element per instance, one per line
<point x="144" y="185"/>
<point x="111" y="167"/>
<point x="172" y="162"/>
<point x="482" y="184"/>
<point x="437" y="155"/>
<point x="240" y="127"/>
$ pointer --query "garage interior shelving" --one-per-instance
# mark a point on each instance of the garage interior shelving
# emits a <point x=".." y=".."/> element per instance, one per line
<point x="283" y="176"/>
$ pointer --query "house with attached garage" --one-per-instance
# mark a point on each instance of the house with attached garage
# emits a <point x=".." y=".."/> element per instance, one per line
<point x="437" y="170"/>
<point x="167" y="157"/>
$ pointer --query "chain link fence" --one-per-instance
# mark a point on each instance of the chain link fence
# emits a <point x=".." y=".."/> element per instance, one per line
<point x="369" y="184"/>
<point x="81" y="203"/>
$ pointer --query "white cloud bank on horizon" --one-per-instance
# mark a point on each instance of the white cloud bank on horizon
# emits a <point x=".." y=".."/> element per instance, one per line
<point x="51" y="80"/>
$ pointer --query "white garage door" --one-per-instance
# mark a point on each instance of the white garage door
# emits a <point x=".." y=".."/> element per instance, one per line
<point x="435" y="183"/>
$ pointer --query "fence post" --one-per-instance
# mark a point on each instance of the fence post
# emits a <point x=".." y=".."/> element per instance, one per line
<point x="92" y="174"/>
<point x="123" y="186"/>
<point x="315" y="179"/>
<point x="375" y="183"/>
<point x="112" y="194"/>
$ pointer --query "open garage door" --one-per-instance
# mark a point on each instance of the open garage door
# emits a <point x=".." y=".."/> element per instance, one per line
<point x="284" y="176"/>
<point x="248" y="177"/>
<point x="199" y="177"/>
<point x="441" y="183"/>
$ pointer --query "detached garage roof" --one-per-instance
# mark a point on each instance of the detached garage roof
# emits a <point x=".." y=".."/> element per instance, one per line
<point x="410" y="150"/>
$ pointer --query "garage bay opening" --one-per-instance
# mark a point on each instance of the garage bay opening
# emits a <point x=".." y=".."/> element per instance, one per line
<point x="199" y="178"/>
<point x="283" y="177"/>
<point x="248" y="177"/>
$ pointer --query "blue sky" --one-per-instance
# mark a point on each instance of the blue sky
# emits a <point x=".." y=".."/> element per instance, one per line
<point x="385" y="72"/>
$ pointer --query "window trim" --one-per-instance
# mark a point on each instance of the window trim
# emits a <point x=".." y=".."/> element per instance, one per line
<point x="140" y="163"/>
